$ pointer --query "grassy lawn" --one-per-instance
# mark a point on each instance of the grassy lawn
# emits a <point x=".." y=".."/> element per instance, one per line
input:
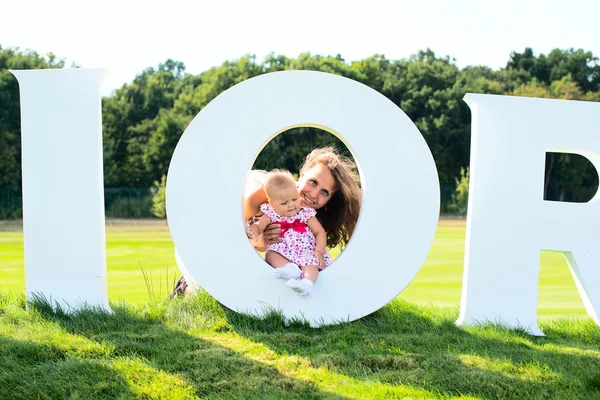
<point x="194" y="348"/>
<point x="148" y="245"/>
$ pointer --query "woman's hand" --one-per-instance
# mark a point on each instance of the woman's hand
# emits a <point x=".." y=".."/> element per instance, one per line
<point x="269" y="236"/>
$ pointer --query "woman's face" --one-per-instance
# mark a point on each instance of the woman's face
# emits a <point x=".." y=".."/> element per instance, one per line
<point x="315" y="186"/>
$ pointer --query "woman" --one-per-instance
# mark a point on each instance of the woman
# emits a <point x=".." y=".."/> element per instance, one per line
<point x="328" y="182"/>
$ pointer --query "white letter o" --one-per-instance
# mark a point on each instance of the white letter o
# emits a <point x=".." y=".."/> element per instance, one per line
<point x="400" y="195"/>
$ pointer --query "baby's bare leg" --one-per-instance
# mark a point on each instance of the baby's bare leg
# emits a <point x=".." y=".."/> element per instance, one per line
<point x="311" y="272"/>
<point x="284" y="269"/>
<point x="276" y="260"/>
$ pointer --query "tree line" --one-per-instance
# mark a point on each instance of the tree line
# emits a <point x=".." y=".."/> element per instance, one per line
<point x="143" y="120"/>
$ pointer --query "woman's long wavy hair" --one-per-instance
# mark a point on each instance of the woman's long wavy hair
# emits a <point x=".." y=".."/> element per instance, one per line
<point x="340" y="214"/>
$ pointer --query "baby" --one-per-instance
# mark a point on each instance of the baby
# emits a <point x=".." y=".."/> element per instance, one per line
<point x="301" y="252"/>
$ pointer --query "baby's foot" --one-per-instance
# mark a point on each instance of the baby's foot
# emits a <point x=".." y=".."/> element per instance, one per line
<point x="288" y="271"/>
<point x="301" y="286"/>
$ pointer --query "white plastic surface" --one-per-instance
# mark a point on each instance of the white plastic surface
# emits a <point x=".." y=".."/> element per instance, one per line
<point x="63" y="193"/>
<point x="509" y="222"/>
<point x="400" y="204"/>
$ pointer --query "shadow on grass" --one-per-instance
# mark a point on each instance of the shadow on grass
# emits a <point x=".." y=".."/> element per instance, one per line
<point x="195" y="347"/>
<point x="403" y="344"/>
<point x="149" y="355"/>
<point x="43" y="371"/>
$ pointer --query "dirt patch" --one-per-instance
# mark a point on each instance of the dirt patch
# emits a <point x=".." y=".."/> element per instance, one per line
<point x="111" y="223"/>
<point x="452" y="222"/>
<point x="11" y="226"/>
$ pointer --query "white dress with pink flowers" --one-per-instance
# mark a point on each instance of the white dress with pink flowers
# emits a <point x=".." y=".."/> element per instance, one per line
<point x="298" y="242"/>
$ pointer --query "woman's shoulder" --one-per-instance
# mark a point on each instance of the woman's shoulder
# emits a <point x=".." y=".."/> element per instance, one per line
<point x="258" y="175"/>
<point x="254" y="192"/>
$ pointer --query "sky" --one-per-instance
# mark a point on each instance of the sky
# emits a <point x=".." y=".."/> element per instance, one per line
<point x="127" y="36"/>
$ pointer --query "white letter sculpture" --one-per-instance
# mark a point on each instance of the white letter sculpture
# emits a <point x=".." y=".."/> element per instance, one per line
<point x="399" y="210"/>
<point x="509" y="222"/>
<point x="63" y="191"/>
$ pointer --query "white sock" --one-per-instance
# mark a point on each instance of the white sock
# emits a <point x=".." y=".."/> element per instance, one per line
<point x="288" y="271"/>
<point x="301" y="286"/>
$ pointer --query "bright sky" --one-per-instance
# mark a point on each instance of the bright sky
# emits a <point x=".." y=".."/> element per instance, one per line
<point x="127" y="36"/>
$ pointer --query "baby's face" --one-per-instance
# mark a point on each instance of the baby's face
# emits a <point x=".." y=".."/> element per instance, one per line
<point x="286" y="201"/>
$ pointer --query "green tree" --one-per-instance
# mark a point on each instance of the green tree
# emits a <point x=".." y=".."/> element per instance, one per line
<point x="460" y="198"/>
<point x="583" y="67"/>
<point x="143" y="120"/>
<point x="532" y="89"/>
<point x="159" y="207"/>
<point x="289" y="149"/>
<point x="333" y="65"/>
<point x="423" y="86"/>
<point x="128" y="123"/>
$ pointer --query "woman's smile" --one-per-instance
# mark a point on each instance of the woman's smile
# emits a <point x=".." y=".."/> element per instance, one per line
<point x="307" y="200"/>
<point x="315" y="186"/>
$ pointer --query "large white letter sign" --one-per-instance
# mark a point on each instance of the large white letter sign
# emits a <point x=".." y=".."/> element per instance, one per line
<point x="400" y="203"/>
<point x="63" y="197"/>
<point x="508" y="220"/>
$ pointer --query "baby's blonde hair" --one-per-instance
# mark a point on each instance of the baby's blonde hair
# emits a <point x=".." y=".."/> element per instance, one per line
<point x="278" y="179"/>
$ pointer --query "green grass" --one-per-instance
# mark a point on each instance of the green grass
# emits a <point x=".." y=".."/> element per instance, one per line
<point x="147" y="245"/>
<point x="195" y="348"/>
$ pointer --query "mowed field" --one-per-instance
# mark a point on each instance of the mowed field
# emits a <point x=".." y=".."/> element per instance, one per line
<point x="138" y="248"/>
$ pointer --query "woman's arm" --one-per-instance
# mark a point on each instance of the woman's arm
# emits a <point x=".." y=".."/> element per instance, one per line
<point x="254" y="194"/>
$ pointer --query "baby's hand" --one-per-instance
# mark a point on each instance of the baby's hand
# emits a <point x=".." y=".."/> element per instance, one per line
<point x="320" y="259"/>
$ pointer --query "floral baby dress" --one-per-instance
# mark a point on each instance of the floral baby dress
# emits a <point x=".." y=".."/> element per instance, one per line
<point x="298" y="241"/>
